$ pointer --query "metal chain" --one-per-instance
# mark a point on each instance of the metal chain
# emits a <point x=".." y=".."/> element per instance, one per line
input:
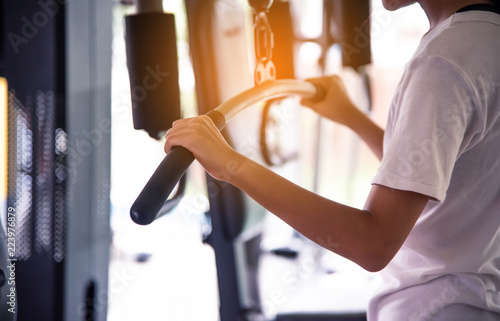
<point x="264" y="43"/>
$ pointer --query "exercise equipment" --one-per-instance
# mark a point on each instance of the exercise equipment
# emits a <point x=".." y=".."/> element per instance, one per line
<point x="222" y="66"/>
<point x="156" y="191"/>
<point x="218" y="46"/>
<point x="154" y="75"/>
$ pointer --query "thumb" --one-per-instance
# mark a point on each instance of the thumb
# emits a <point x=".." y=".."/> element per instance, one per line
<point x="323" y="85"/>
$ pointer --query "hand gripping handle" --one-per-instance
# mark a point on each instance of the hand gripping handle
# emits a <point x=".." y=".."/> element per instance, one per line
<point x="171" y="169"/>
<point x="156" y="191"/>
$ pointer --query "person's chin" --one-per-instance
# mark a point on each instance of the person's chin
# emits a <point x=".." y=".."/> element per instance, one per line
<point x="393" y="5"/>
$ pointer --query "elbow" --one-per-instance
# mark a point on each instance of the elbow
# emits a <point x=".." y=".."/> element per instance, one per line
<point x="376" y="251"/>
<point x="374" y="265"/>
<point x="376" y="259"/>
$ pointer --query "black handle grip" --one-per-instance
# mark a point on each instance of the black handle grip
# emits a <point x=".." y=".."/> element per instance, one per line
<point x="171" y="169"/>
<point x="160" y="185"/>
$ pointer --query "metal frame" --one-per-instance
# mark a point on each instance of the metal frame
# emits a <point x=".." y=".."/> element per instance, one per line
<point x="236" y="260"/>
<point x="88" y="110"/>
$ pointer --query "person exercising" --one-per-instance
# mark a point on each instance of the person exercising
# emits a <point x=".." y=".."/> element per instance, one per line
<point x="431" y="222"/>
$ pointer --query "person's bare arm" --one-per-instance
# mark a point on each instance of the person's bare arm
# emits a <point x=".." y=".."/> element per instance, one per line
<point x="368" y="131"/>
<point x="369" y="237"/>
<point x="338" y="107"/>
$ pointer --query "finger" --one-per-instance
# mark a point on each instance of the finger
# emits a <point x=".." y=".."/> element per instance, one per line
<point x="168" y="140"/>
<point x="188" y="130"/>
<point x="174" y="135"/>
<point x="188" y="121"/>
<point x="177" y="122"/>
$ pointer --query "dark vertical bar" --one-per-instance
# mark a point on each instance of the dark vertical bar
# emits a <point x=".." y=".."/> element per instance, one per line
<point x="37" y="50"/>
<point x="90" y="302"/>
<point x="281" y="23"/>
<point x="227" y="209"/>
<point x="88" y="39"/>
<point x="153" y="71"/>
<point x="225" y="201"/>
<point x="33" y="66"/>
<point x="353" y="26"/>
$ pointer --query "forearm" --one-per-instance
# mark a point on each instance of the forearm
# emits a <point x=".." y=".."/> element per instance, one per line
<point x="347" y="231"/>
<point x="338" y="107"/>
<point x="368" y="131"/>
<point x="369" y="237"/>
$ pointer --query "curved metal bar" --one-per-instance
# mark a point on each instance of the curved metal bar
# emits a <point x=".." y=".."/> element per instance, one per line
<point x="268" y="90"/>
<point x="148" y="204"/>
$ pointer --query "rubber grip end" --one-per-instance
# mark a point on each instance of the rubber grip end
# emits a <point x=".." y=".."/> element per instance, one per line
<point x="163" y="181"/>
<point x="137" y="217"/>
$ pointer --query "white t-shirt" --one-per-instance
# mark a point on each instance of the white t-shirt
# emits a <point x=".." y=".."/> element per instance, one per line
<point x="443" y="140"/>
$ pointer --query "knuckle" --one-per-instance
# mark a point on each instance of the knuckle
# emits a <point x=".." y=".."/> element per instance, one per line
<point x="197" y="126"/>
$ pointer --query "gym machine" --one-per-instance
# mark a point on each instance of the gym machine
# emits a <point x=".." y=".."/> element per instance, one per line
<point x="227" y="209"/>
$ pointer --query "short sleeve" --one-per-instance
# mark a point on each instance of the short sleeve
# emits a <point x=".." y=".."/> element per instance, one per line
<point x="427" y="129"/>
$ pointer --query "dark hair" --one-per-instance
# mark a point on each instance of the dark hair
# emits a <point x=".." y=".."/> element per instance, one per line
<point x="496" y="3"/>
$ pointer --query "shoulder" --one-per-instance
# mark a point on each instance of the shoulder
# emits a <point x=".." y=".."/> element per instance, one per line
<point x="463" y="52"/>
<point x="467" y="40"/>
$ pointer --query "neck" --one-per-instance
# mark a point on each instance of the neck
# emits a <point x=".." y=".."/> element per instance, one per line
<point x="438" y="11"/>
